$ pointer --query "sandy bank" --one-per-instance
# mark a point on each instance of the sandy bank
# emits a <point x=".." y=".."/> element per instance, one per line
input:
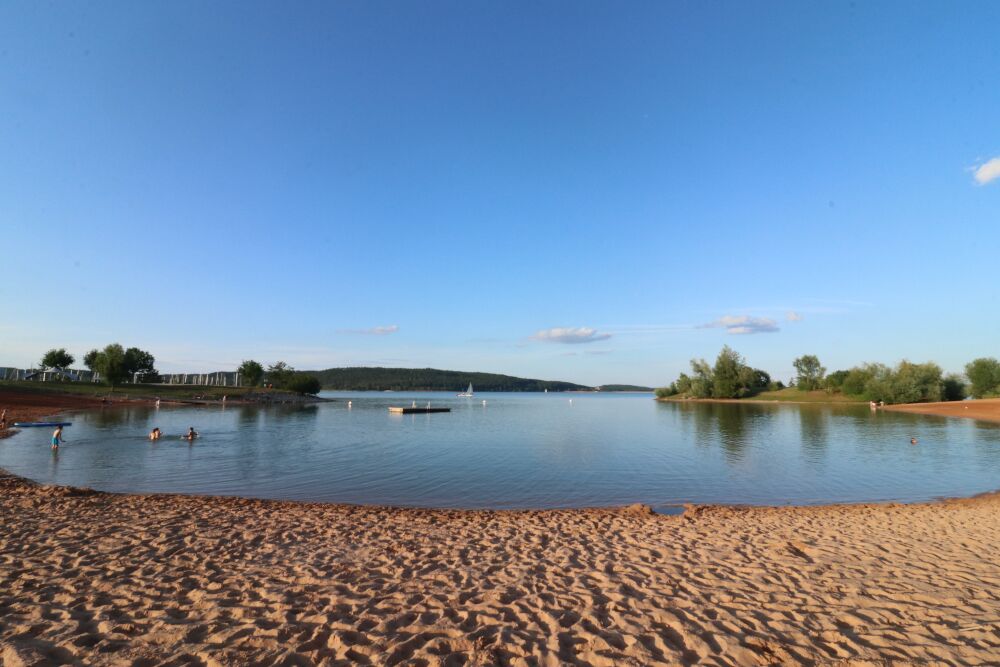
<point x="126" y="579"/>
<point x="987" y="409"/>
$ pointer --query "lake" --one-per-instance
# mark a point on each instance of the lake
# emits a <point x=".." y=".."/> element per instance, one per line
<point x="521" y="451"/>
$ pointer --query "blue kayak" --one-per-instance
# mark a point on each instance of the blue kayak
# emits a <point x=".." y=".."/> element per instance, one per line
<point x="27" y="424"/>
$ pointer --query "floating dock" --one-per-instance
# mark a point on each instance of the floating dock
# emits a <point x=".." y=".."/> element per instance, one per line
<point x="417" y="411"/>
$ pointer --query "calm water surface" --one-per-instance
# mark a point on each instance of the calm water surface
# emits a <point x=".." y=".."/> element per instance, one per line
<point x="521" y="450"/>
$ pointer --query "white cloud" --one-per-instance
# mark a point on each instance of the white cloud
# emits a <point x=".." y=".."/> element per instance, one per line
<point x="987" y="171"/>
<point x="792" y="316"/>
<point x="570" y="335"/>
<point x="743" y="324"/>
<point x="374" y="331"/>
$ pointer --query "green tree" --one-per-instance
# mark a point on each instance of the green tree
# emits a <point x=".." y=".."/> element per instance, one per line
<point x="280" y="374"/>
<point x="251" y="372"/>
<point x="914" y="383"/>
<point x="683" y="384"/>
<point x="953" y="388"/>
<point x="984" y="376"/>
<point x="701" y="379"/>
<point x="90" y="360"/>
<point x="809" y="372"/>
<point x="110" y="363"/>
<point x="59" y="359"/>
<point x="834" y="382"/>
<point x="139" y="365"/>
<point x="726" y="380"/>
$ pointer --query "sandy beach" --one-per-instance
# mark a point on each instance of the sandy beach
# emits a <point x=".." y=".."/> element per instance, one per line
<point x="986" y="409"/>
<point x="97" y="578"/>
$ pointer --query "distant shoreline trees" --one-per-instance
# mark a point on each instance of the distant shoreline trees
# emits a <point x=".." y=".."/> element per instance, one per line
<point x="907" y="382"/>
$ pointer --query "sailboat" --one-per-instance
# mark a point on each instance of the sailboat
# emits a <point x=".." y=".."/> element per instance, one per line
<point x="467" y="393"/>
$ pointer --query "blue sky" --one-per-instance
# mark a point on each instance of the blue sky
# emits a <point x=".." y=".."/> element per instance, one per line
<point x="594" y="192"/>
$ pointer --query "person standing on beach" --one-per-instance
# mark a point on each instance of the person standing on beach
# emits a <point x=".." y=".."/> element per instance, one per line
<point x="57" y="438"/>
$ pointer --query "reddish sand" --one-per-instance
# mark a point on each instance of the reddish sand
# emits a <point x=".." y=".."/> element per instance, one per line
<point x="986" y="408"/>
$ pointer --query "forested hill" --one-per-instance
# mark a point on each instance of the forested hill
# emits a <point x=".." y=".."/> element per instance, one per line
<point x="429" y="379"/>
<point x="624" y="387"/>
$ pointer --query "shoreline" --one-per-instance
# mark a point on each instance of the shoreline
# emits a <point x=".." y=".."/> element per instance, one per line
<point x="983" y="409"/>
<point x="107" y="578"/>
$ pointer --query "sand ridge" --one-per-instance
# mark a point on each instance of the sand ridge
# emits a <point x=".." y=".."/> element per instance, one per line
<point x="97" y="578"/>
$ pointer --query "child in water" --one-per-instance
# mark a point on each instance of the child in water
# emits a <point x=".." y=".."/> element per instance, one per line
<point x="191" y="434"/>
<point x="155" y="434"/>
<point x="57" y="437"/>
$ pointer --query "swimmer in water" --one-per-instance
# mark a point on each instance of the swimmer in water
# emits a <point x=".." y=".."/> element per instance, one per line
<point x="155" y="434"/>
<point x="57" y="438"/>
<point x="913" y="441"/>
<point x="191" y="434"/>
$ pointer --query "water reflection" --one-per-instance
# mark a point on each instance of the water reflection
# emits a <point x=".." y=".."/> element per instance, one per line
<point x="814" y="428"/>
<point x="522" y="451"/>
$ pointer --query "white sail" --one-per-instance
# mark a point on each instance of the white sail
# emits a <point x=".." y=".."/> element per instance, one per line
<point x="467" y="392"/>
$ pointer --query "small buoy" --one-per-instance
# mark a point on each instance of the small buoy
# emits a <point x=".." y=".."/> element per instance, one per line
<point x="571" y="401"/>
<point x="348" y="405"/>
<point x="913" y="441"/>
<point x="484" y="401"/>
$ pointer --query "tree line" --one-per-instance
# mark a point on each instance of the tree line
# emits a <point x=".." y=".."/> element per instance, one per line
<point x="907" y="382"/>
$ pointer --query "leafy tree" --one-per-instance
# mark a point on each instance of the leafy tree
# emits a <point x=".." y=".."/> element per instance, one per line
<point x="914" y="383"/>
<point x="303" y="384"/>
<point x="953" y="388"/>
<point x="984" y="376"/>
<point x="251" y="372"/>
<point x="809" y="372"/>
<point x="280" y="374"/>
<point x="701" y="380"/>
<point x="834" y="382"/>
<point x="59" y="359"/>
<point x="726" y="380"/>
<point x="90" y="360"/>
<point x="110" y="363"/>
<point x="139" y="365"/>
<point x="683" y="384"/>
<point x="857" y="379"/>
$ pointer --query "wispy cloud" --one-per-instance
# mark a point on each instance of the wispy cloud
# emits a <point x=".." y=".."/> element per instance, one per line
<point x="374" y="331"/>
<point x="987" y="171"/>
<point x="743" y="324"/>
<point x="589" y="353"/>
<point x="571" y="335"/>
<point x="793" y="316"/>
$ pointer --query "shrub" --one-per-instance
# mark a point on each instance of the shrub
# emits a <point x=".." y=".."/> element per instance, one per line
<point x="953" y="388"/>
<point x="303" y="384"/>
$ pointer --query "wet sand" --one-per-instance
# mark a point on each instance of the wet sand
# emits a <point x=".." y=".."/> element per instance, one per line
<point x="101" y="578"/>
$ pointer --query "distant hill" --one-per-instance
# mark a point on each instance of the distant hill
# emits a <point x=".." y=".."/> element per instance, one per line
<point x="365" y="378"/>
<point x="623" y="387"/>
